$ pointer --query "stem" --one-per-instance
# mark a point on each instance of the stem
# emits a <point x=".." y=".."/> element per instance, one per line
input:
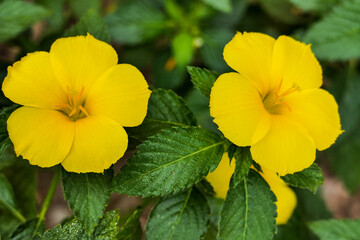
<point x="49" y="196"/>
<point x="15" y="212"/>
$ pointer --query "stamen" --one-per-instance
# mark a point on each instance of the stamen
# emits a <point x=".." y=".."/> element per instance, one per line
<point x="73" y="112"/>
<point x="83" y="110"/>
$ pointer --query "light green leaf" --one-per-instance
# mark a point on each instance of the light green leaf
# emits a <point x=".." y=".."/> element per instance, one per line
<point x="182" y="48"/>
<point x="170" y="161"/>
<point x="165" y="110"/>
<point x="16" y="16"/>
<point x="91" y="23"/>
<point x="344" y="229"/>
<point x="80" y="7"/>
<point x="310" y="178"/>
<point x="221" y="5"/>
<point x="243" y="163"/>
<point x="87" y="195"/>
<point x="131" y="230"/>
<point x="203" y="79"/>
<point x="337" y="35"/>
<point x="136" y="21"/>
<point x="249" y="211"/>
<point x="184" y="215"/>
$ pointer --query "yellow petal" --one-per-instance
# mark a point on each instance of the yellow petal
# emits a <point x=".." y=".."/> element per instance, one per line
<point x="121" y="94"/>
<point x="98" y="143"/>
<point x="42" y="136"/>
<point x="286" y="148"/>
<point x="317" y="111"/>
<point x="220" y="178"/>
<point x="286" y="198"/>
<point x="294" y="63"/>
<point x="78" y="61"/>
<point x="31" y="82"/>
<point x="250" y="54"/>
<point x="238" y="110"/>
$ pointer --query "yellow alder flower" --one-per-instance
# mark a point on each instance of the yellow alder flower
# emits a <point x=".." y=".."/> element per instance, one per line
<point x="274" y="103"/>
<point x="77" y="100"/>
<point x="286" y="198"/>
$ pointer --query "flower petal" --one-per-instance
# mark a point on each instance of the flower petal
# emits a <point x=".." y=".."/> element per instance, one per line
<point x="286" y="148"/>
<point x="286" y="198"/>
<point x="250" y="54"/>
<point x="98" y="143"/>
<point x="79" y="61"/>
<point x="294" y="63"/>
<point x="31" y="82"/>
<point x="220" y="178"/>
<point x="238" y="110"/>
<point x="317" y="111"/>
<point x="42" y="136"/>
<point x="121" y="94"/>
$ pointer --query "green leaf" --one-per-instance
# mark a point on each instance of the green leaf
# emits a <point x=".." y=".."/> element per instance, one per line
<point x="182" y="48"/>
<point x="27" y="230"/>
<point x="56" y="20"/>
<point x="344" y="229"/>
<point x="279" y="10"/>
<point x="91" y="23"/>
<point x="7" y="154"/>
<point x="136" y="21"/>
<point x="336" y="36"/>
<point x="107" y="229"/>
<point x="7" y="198"/>
<point x="315" y="5"/>
<point x="243" y="163"/>
<point x="221" y="5"/>
<point x="249" y="210"/>
<point x="165" y="110"/>
<point x="16" y="16"/>
<point x="215" y="208"/>
<point x="131" y="230"/>
<point x="87" y="195"/>
<point x="170" y="161"/>
<point x="80" y="7"/>
<point x="184" y="215"/>
<point x="203" y="79"/>
<point x="310" y="178"/>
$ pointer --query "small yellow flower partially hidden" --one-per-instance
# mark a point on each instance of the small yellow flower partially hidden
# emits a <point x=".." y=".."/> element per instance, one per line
<point x="77" y="100"/>
<point x="286" y="198"/>
<point x="274" y="102"/>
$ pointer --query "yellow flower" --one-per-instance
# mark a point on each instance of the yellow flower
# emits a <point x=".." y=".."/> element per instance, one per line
<point x="286" y="198"/>
<point x="76" y="101"/>
<point x="274" y="102"/>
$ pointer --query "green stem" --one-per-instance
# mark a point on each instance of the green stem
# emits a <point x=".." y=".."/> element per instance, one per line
<point x="15" y="212"/>
<point x="49" y="196"/>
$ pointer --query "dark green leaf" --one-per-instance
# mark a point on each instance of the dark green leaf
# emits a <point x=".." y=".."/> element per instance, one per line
<point x="87" y="195"/>
<point x="243" y="163"/>
<point x="80" y="7"/>
<point x="182" y="47"/>
<point x="336" y="36"/>
<point x="280" y="10"/>
<point x="27" y="230"/>
<point x="165" y="110"/>
<point x="184" y="215"/>
<point x="108" y="227"/>
<point x="7" y="154"/>
<point x="249" y="210"/>
<point x="16" y="16"/>
<point x="91" y="23"/>
<point x="169" y="162"/>
<point x="135" y="22"/>
<point x="203" y="79"/>
<point x="315" y="5"/>
<point x="55" y="21"/>
<point x="4" y="115"/>
<point x="310" y="178"/>
<point x="344" y="229"/>
<point x="7" y="199"/>
<point x="221" y="5"/>
<point x="215" y="207"/>
<point x="131" y="230"/>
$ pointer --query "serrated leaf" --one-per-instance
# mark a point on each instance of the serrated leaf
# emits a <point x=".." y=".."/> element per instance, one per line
<point x="203" y="79"/>
<point x="108" y="227"/>
<point x="243" y="163"/>
<point x="87" y="195"/>
<point x="184" y="215"/>
<point x="344" y="229"/>
<point x="170" y="161"/>
<point x="221" y="5"/>
<point x="131" y="230"/>
<point x="81" y="7"/>
<point x="136" y="21"/>
<point x="249" y="210"/>
<point x="336" y="36"/>
<point x="165" y="110"/>
<point x="310" y="178"/>
<point x="91" y="23"/>
<point x="27" y="230"/>
<point x="16" y="16"/>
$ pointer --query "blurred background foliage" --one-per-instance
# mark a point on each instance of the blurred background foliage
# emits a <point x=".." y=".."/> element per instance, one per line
<point x="162" y="37"/>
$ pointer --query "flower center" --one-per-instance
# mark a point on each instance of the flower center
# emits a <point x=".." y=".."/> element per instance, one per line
<point x="273" y="101"/>
<point x="74" y="106"/>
